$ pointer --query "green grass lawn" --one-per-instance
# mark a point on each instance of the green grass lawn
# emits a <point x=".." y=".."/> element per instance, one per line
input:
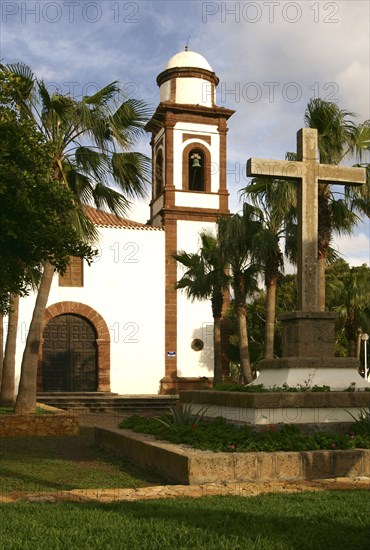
<point x="39" y="410"/>
<point x="63" y="463"/>
<point x="333" y="520"/>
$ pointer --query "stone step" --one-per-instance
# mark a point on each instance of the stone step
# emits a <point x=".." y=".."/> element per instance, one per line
<point x="91" y="402"/>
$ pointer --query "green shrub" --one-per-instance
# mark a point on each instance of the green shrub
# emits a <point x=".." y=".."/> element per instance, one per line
<point x="219" y="435"/>
<point x="182" y="417"/>
<point x="362" y="423"/>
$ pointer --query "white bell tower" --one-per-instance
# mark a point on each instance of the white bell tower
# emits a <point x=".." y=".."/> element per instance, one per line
<point x="189" y="193"/>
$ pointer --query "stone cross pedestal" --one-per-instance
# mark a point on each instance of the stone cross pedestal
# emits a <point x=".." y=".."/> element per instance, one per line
<point x="308" y="334"/>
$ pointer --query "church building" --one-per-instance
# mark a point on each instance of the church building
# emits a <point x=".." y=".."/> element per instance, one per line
<point x="120" y="325"/>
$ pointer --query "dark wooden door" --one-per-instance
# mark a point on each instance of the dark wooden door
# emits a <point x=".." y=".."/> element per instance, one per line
<point x="69" y="355"/>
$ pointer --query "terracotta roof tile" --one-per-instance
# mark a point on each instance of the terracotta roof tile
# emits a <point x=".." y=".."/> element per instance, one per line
<point x="105" y="219"/>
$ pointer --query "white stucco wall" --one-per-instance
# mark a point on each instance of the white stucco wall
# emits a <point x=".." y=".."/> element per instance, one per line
<point x="165" y="91"/>
<point x="126" y="287"/>
<point x="194" y="319"/>
<point x="191" y="91"/>
<point x="196" y="200"/>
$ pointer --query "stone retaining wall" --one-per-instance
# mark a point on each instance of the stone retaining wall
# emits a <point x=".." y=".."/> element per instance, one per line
<point x="22" y="425"/>
<point x="186" y="466"/>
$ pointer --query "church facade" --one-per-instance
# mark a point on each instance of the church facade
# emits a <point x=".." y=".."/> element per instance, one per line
<point x="120" y="325"/>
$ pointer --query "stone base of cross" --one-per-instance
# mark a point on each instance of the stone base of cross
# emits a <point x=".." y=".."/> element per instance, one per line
<point x="308" y="359"/>
<point x="308" y="334"/>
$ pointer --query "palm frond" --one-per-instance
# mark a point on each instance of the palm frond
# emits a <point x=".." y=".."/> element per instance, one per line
<point x="80" y="184"/>
<point x="107" y="198"/>
<point x="104" y="96"/>
<point x="128" y="121"/>
<point x="91" y="140"/>
<point x="92" y="162"/>
<point x="84" y="226"/>
<point x="132" y="173"/>
<point x="343" y="219"/>
<point x="25" y="78"/>
<point x="23" y="86"/>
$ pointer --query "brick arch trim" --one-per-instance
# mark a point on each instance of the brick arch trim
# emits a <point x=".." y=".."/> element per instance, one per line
<point x="102" y="341"/>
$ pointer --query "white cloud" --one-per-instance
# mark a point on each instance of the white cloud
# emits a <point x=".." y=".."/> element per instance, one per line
<point x="355" y="249"/>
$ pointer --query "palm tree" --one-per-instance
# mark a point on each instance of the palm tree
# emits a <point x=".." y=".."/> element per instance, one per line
<point x="275" y="201"/>
<point x="7" y="393"/>
<point x="349" y="293"/>
<point x="1" y="347"/>
<point x="338" y="137"/>
<point x="92" y="142"/>
<point x="240" y="236"/>
<point x="206" y="278"/>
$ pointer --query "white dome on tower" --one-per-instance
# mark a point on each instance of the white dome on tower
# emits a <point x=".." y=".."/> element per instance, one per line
<point x="188" y="79"/>
<point x="188" y="59"/>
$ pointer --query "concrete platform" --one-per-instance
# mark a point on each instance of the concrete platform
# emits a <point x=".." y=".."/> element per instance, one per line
<point x="318" y="409"/>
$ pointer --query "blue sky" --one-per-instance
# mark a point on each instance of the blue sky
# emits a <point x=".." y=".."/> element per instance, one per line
<point x="271" y="58"/>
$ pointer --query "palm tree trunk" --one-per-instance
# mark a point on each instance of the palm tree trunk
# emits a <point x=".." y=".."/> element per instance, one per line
<point x="321" y="282"/>
<point x="217" y="377"/>
<point x="7" y="395"/>
<point x="324" y="238"/>
<point x="1" y="347"/>
<point x="241" y="314"/>
<point x="26" y="399"/>
<point x="217" y="304"/>
<point x="358" y="343"/>
<point x="270" y="317"/>
<point x="350" y="331"/>
<point x="351" y="348"/>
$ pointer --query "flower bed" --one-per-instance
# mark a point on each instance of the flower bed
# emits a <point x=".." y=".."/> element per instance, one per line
<point x="221" y="436"/>
<point x="184" y="465"/>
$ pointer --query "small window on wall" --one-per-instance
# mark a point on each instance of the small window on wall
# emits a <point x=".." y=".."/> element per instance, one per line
<point x="196" y="170"/>
<point x="74" y="275"/>
<point x="159" y="173"/>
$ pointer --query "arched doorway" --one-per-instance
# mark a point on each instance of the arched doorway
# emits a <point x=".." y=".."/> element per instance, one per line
<point x="69" y="354"/>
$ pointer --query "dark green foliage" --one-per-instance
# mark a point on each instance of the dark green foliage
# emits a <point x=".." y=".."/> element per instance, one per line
<point x="362" y="423"/>
<point x="218" y="435"/>
<point x="348" y="293"/>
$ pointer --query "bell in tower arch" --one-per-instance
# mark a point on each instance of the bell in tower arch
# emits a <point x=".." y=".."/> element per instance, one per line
<point x="196" y="170"/>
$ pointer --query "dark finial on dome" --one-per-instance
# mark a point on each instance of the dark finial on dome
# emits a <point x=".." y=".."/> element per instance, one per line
<point x="187" y="44"/>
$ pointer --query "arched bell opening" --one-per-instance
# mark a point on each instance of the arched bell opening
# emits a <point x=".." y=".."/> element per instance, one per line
<point x="196" y="168"/>
<point x="158" y="173"/>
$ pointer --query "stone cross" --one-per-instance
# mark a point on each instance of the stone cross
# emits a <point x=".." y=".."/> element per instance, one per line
<point x="310" y="172"/>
